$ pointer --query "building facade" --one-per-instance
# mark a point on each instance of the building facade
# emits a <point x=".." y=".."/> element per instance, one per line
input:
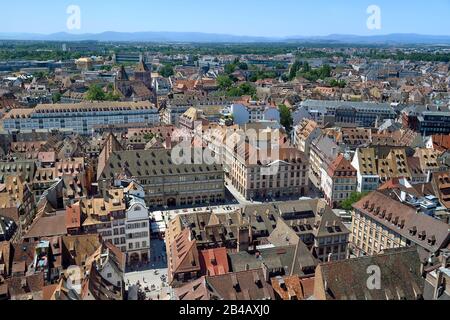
<point x="283" y="175"/>
<point x="364" y="161"/>
<point x="379" y="223"/>
<point x="338" y="181"/>
<point x="165" y="184"/>
<point x="80" y="117"/>
<point x="253" y="113"/>
<point x="137" y="225"/>
<point x="363" y="114"/>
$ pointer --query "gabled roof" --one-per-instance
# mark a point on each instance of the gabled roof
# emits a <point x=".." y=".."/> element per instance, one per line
<point x="122" y="74"/>
<point x="367" y="161"/>
<point x="98" y="288"/>
<point x="421" y="229"/>
<point x="214" y="262"/>
<point x="47" y="226"/>
<point x="441" y="142"/>
<point x="79" y="248"/>
<point x="341" y="167"/>
<point x="142" y="67"/>
<point x="347" y="279"/>
<point x="27" y="285"/>
<point x="193" y="291"/>
<point x="245" y="285"/>
<point x="293" y="287"/>
<point x="184" y="255"/>
<point x="441" y="184"/>
<point x="73" y="216"/>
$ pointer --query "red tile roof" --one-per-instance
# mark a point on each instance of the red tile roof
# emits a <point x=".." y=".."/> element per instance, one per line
<point x="441" y="142"/>
<point x="214" y="262"/>
<point x="341" y="165"/>
<point x="73" y="216"/>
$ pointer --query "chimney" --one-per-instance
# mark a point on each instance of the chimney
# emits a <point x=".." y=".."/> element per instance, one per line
<point x="244" y="239"/>
<point x="168" y="143"/>
<point x="292" y="295"/>
<point x="445" y="258"/>
<point x="438" y="288"/>
<point x="266" y="272"/>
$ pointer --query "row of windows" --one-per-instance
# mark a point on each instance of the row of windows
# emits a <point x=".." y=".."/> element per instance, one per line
<point x="137" y="225"/>
<point x="137" y="245"/>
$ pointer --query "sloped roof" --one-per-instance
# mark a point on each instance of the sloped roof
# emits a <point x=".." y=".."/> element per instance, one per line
<point x="122" y="74"/>
<point x="423" y="230"/>
<point x="245" y="285"/>
<point x="293" y="287"/>
<point x="441" y="183"/>
<point x="184" y="254"/>
<point x="79" y="248"/>
<point x="347" y="279"/>
<point x="214" y="262"/>
<point x="142" y="67"/>
<point x="340" y="167"/>
<point x="48" y="226"/>
<point x="33" y="284"/>
<point x="193" y="291"/>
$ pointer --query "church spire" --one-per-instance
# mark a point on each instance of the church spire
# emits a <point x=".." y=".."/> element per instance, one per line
<point x="142" y="67"/>
<point x="122" y="74"/>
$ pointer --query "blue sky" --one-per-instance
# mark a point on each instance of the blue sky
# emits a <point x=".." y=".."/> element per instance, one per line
<point x="239" y="17"/>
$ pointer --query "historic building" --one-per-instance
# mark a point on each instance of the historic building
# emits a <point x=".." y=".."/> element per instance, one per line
<point x="137" y="89"/>
<point x="379" y="223"/>
<point x="165" y="184"/>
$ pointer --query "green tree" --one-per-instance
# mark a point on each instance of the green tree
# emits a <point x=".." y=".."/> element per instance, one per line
<point x="148" y="136"/>
<point x="286" y="117"/>
<point x="40" y="75"/>
<point x="244" y="89"/>
<point x="111" y="96"/>
<point x="224" y="82"/>
<point x="243" y="66"/>
<point x="230" y="68"/>
<point x="167" y="71"/>
<point x="354" y="197"/>
<point x="106" y="67"/>
<point x="95" y="93"/>
<point x="294" y="69"/>
<point x="247" y="89"/>
<point x="338" y="83"/>
<point x="56" y="97"/>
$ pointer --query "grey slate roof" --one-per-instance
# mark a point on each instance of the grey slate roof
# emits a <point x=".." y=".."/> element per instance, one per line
<point x="322" y="105"/>
<point x="152" y="163"/>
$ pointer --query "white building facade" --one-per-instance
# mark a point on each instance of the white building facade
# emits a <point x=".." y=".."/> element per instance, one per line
<point x="137" y="227"/>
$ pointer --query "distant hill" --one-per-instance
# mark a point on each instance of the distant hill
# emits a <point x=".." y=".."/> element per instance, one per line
<point x="400" y="38"/>
<point x="225" y="38"/>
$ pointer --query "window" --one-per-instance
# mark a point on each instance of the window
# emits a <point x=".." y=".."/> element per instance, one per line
<point x="109" y="275"/>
